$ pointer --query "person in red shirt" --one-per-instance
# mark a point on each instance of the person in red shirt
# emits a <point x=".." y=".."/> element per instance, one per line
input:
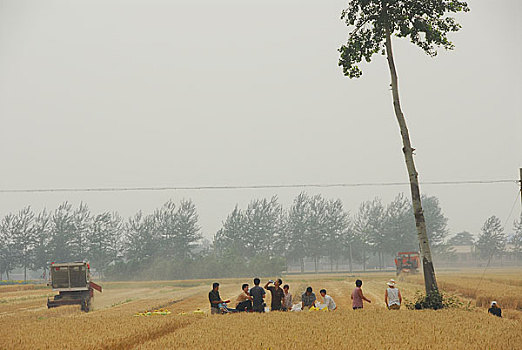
<point x="358" y="296"/>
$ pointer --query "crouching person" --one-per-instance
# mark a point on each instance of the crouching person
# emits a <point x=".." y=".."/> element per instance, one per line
<point x="392" y="296"/>
<point x="215" y="299"/>
<point x="308" y="299"/>
<point x="244" y="300"/>
<point x="329" y="303"/>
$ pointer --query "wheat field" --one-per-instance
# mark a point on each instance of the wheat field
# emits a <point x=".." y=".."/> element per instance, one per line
<point x="26" y="323"/>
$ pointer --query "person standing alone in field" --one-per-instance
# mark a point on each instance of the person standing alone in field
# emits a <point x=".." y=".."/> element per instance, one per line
<point x="358" y="296"/>
<point x="495" y="310"/>
<point x="392" y="296"/>
<point x="258" y="296"/>
<point x="277" y="294"/>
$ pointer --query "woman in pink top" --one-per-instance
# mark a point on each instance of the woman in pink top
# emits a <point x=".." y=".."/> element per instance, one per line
<point x="357" y="296"/>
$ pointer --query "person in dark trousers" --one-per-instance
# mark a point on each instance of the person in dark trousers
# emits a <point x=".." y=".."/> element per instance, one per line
<point x="357" y="296"/>
<point x="258" y="296"/>
<point x="215" y="299"/>
<point x="278" y="294"/>
<point x="244" y="300"/>
<point x="495" y="310"/>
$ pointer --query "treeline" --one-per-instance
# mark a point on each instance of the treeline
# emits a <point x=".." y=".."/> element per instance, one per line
<point x="263" y="238"/>
<point x="316" y="228"/>
<point x="492" y="242"/>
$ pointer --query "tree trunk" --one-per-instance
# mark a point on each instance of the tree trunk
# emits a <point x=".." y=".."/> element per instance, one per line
<point x="350" y="261"/>
<point x="302" y="265"/>
<point x="427" y="263"/>
<point x="364" y="259"/>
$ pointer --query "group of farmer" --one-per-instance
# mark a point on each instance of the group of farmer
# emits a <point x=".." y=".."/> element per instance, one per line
<point x="253" y="299"/>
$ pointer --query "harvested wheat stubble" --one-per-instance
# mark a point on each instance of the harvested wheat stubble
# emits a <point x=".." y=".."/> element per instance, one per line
<point x="26" y="323"/>
<point x="366" y="329"/>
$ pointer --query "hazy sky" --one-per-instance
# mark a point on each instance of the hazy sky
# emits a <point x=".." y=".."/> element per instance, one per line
<point x="203" y="92"/>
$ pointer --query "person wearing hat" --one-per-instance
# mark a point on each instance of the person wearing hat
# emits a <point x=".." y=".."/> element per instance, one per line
<point x="494" y="309"/>
<point x="392" y="296"/>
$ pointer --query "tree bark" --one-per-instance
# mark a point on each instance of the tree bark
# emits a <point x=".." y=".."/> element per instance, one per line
<point x="364" y="259"/>
<point x="430" y="281"/>
<point x="351" y="269"/>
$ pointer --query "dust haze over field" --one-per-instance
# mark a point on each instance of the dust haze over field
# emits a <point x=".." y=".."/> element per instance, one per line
<point x="96" y="96"/>
<point x="179" y="93"/>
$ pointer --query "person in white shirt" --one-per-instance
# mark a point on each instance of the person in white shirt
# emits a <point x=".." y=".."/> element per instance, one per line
<point x="328" y="300"/>
<point x="287" y="302"/>
<point x="392" y="296"/>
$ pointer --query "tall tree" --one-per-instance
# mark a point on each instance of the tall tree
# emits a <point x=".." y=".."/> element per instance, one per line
<point x="316" y="226"/>
<point x="369" y="225"/>
<point x="23" y="237"/>
<point x="297" y="229"/>
<point x="400" y="226"/>
<point x="62" y="237"/>
<point x="263" y="222"/>
<point x="337" y="226"/>
<point x="232" y="235"/>
<point x="103" y="240"/>
<point x="42" y="231"/>
<point x="164" y="228"/>
<point x="140" y="245"/>
<point x="82" y="223"/>
<point x="187" y="232"/>
<point x="436" y="223"/>
<point x="427" y="25"/>
<point x="462" y="238"/>
<point x="492" y="240"/>
<point x="8" y="251"/>
<point x="516" y="239"/>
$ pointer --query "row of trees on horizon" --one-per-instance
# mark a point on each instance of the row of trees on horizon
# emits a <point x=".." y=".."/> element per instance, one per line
<point x="262" y="238"/>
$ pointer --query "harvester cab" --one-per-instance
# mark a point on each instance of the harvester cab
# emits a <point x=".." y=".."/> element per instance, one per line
<point x="73" y="282"/>
<point x="407" y="262"/>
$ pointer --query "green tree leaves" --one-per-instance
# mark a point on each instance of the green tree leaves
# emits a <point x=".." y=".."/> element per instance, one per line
<point x="424" y="22"/>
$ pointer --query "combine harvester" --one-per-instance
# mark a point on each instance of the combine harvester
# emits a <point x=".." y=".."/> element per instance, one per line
<point x="407" y="262"/>
<point x="73" y="282"/>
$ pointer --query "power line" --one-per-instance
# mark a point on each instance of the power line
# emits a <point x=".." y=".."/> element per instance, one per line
<point x="248" y="187"/>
